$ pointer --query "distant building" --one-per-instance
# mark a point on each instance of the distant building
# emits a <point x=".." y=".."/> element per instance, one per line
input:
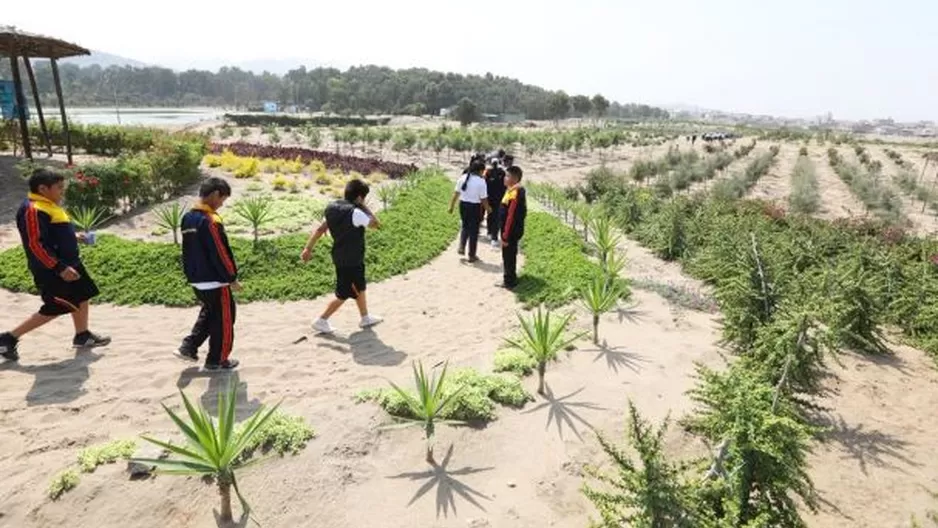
<point x="270" y="107"/>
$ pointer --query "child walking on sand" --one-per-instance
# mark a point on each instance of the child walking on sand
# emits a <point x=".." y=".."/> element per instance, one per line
<point x="52" y="254"/>
<point x="210" y="268"/>
<point x="346" y="221"/>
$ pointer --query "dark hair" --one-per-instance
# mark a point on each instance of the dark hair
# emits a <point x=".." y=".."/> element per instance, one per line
<point x="475" y="167"/>
<point x="355" y="189"/>
<point x="44" y="177"/>
<point x="516" y="172"/>
<point x="214" y="184"/>
<point x="508" y="159"/>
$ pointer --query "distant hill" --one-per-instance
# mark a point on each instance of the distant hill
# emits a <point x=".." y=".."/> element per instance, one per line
<point x="258" y="66"/>
<point x="103" y="60"/>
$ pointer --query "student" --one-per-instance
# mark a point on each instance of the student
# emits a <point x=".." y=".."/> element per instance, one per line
<point x="472" y="194"/>
<point x="346" y="221"/>
<point x="52" y="254"/>
<point x="514" y="209"/>
<point x="495" y="187"/>
<point x="210" y="268"/>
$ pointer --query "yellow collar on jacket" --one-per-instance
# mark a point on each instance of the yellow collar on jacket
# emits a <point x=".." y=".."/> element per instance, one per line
<point x="211" y="212"/>
<point x="54" y="210"/>
<point x="511" y="194"/>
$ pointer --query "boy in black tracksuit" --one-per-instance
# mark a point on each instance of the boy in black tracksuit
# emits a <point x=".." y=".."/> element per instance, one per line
<point x="495" y="183"/>
<point x="346" y="221"/>
<point x="52" y="254"/>
<point x="210" y="268"/>
<point x="512" y="213"/>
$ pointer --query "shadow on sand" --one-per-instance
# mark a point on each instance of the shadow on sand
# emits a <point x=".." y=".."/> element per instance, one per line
<point x="366" y="348"/>
<point x="563" y="412"/>
<point x="447" y="486"/>
<point x="56" y="383"/>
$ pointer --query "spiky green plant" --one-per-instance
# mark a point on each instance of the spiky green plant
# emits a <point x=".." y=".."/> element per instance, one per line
<point x="387" y="193"/>
<point x="605" y="238"/>
<point x="169" y="217"/>
<point x="88" y="218"/>
<point x="600" y="296"/>
<point x="256" y="211"/>
<point x="212" y="449"/>
<point x="543" y="338"/>
<point x="432" y="401"/>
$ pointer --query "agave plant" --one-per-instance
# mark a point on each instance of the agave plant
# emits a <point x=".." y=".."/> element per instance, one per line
<point x="88" y="218"/>
<point x="212" y="449"/>
<point x="599" y="296"/>
<point x="170" y="217"/>
<point x="543" y="338"/>
<point x="255" y="210"/>
<point x="433" y="400"/>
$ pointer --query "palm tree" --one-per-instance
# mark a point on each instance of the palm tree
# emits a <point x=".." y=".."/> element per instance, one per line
<point x="542" y="339"/>
<point x="212" y="450"/>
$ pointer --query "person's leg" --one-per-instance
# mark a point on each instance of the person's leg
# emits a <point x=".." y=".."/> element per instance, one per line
<point x="362" y="303"/>
<point x="200" y="330"/>
<point x="211" y="299"/>
<point x="80" y="318"/>
<point x="463" y="229"/>
<point x="35" y="321"/>
<point x="332" y="308"/>
<point x="510" y="262"/>
<point x="228" y="314"/>
<point x="359" y="286"/>
<point x="473" y="220"/>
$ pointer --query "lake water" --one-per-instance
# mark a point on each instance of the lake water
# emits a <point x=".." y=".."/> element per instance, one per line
<point x="142" y="116"/>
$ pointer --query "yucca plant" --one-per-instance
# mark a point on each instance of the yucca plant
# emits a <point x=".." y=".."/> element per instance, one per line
<point x="255" y="210"/>
<point x="542" y="338"/>
<point x="387" y="193"/>
<point x="170" y="217"/>
<point x="600" y="296"/>
<point x="614" y="266"/>
<point x="88" y="218"/>
<point x="433" y="400"/>
<point x="211" y="449"/>
<point x="605" y="239"/>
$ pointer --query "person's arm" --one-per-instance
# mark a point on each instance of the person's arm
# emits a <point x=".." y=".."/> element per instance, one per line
<point x="215" y="243"/>
<point x="484" y="197"/>
<point x="510" y="219"/>
<point x="372" y="219"/>
<point x="314" y="237"/>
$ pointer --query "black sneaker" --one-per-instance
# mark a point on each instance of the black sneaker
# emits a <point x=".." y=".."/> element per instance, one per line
<point x="8" y="345"/>
<point x="189" y="354"/>
<point x="224" y="365"/>
<point x="473" y="260"/>
<point x="87" y="339"/>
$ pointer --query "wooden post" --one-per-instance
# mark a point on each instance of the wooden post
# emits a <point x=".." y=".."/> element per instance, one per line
<point x="21" y="105"/>
<point x="58" y="93"/>
<point x="42" y="119"/>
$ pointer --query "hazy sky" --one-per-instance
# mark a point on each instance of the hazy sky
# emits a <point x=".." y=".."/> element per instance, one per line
<point x="800" y="58"/>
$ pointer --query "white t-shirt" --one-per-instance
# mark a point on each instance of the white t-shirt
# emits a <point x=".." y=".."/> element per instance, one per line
<point x="476" y="190"/>
<point x="359" y="218"/>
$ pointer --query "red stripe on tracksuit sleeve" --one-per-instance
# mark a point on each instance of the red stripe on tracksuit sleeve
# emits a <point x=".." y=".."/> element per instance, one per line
<point x="222" y="250"/>
<point x="34" y="240"/>
<point x="510" y="218"/>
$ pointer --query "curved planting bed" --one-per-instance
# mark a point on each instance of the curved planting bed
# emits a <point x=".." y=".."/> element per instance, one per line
<point x="415" y="229"/>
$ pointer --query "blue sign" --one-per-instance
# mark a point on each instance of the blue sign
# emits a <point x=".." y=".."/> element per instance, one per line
<point x="8" y="108"/>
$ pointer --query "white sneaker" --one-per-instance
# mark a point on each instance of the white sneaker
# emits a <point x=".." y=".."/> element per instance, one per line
<point x="323" y="327"/>
<point x="495" y="243"/>
<point x="370" y="320"/>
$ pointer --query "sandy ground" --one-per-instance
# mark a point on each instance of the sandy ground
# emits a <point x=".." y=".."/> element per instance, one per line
<point x="522" y="470"/>
<point x="775" y="186"/>
<point x="837" y="201"/>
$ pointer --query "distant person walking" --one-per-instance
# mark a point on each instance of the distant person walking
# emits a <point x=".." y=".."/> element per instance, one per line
<point x="52" y="254"/>
<point x="472" y="194"/>
<point x="346" y="221"/>
<point x="513" y="211"/>
<point x="495" y="187"/>
<point x="210" y="268"/>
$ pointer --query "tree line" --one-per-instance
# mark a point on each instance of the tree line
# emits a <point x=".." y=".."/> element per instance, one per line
<point x="358" y="90"/>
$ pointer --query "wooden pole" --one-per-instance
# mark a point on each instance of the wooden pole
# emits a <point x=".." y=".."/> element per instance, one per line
<point x="42" y="119"/>
<point x="21" y="105"/>
<point x="58" y="93"/>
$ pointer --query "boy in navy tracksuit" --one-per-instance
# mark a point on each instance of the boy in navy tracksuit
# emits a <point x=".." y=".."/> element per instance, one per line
<point x="513" y="210"/>
<point x="210" y="268"/>
<point x="51" y="246"/>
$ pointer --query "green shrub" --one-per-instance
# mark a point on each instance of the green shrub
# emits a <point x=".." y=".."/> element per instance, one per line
<point x="805" y="192"/>
<point x="515" y="361"/>
<point x="281" y="433"/>
<point x="414" y="231"/>
<point x="478" y="394"/>
<point x="64" y="481"/>
<point x="91" y="457"/>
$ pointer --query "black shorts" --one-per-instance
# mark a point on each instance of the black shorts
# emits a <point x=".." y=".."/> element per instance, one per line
<point x="60" y="297"/>
<point x="349" y="281"/>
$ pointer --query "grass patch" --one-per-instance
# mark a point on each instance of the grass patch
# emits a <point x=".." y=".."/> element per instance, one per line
<point x="64" y="481"/>
<point x="91" y="457"/>
<point x="282" y="433"/>
<point x="514" y="361"/>
<point x="475" y="403"/>
<point x="414" y="231"/>
<point x="289" y="214"/>
<point x="556" y="262"/>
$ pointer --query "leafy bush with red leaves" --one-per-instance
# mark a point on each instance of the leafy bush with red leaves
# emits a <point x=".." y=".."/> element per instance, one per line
<point x="260" y="120"/>
<point x="331" y="160"/>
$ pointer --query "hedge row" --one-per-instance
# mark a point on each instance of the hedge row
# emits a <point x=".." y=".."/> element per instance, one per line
<point x="260" y="120"/>
<point x="414" y="230"/>
<point x="330" y="159"/>
<point x="106" y="140"/>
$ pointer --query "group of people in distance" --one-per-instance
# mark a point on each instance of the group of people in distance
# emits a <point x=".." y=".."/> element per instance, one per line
<point x="486" y="191"/>
<point x="52" y="251"/>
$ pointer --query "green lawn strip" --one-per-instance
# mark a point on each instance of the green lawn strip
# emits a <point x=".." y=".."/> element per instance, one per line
<point x="556" y="262"/>
<point x="414" y="231"/>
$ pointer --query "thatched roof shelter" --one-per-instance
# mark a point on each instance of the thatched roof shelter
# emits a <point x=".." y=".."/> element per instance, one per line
<point x="14" y="42"/>
<point x="19" y="45"/>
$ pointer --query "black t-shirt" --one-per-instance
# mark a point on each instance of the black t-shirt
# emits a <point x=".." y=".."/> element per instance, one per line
<point x="348" y="241"/>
